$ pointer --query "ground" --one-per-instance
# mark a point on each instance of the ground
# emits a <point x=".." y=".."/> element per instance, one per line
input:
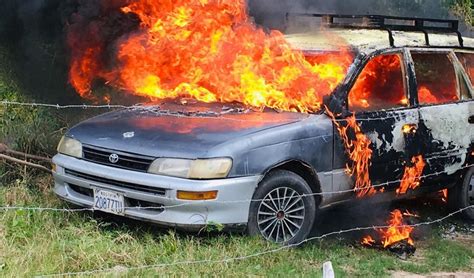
<point x="39" y="243"/>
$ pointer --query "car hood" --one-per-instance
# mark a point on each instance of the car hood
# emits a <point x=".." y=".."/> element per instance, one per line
<point x="190" y="133"/>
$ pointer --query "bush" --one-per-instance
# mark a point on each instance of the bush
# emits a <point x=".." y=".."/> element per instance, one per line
<point x="464" y="9"/>
<point x="28" y="129"/>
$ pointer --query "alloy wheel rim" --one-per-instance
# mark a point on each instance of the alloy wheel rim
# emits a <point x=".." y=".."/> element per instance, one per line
<point x="281" y="215"/>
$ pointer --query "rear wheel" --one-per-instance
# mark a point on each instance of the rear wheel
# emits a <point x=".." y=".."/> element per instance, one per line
<point x="462" y="195"/>
<point x="281" y="211"/>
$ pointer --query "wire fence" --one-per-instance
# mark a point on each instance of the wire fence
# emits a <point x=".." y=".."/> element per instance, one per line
<point x="157" y="110"/>
<point x="254" y="255"/>
<point x="188" y="203"/>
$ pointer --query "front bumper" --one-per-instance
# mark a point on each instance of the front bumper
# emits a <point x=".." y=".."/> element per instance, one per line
<point x="231" y="208"/>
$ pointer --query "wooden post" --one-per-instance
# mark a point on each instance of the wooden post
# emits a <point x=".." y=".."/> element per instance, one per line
<point x="328" y="271"/>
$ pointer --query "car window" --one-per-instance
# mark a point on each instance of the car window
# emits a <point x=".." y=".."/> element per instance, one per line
<point x="436" y="78"/>
<point x="380" y="85"/>
<point x="467" y="61"/>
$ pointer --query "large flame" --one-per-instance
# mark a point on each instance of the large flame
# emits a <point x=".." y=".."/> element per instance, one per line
<point x="208" y="50"/>
<point x="359" y="152"/>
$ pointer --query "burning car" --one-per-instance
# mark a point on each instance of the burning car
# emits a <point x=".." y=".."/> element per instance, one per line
<point x="396" y="121"/>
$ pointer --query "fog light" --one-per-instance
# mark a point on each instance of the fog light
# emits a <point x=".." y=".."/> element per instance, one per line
<point x="197" y="196"/>
<point x="53" y="167"/>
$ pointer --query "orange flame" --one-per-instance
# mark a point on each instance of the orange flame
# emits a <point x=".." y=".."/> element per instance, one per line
<point x="444" y="195"/>
<point x="208" y="50"/>
<point x="411" y="176"/>
<point x="396" y="232"/>
<point x="359" y="152"/>
<point x="368" y="240"/>
<point x="425" y="95"/>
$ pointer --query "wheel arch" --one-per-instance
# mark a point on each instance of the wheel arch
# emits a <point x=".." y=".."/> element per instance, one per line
<point x="302" y="169"/>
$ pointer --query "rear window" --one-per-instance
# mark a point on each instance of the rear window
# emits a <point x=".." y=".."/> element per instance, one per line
<point x="467" y="60"/>
<point x="436" y="78"/>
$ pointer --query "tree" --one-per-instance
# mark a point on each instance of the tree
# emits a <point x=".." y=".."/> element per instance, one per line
<point x="463" y="9"/>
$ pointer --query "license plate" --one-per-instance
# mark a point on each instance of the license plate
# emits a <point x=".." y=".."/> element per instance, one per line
<point x="111" y="202"/>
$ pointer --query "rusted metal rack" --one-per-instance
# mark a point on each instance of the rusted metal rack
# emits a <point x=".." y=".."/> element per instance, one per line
<point x="388" y="23"/>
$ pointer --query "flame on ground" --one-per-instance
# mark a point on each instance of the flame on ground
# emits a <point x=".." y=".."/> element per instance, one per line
<point x="209" y="50"/>
<point x="396" y="232"/>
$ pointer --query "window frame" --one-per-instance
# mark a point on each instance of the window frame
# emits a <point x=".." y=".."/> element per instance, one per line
<point x="458" y="70"/>
<point x="364" y="60"/>
<point x="463" y="71"/>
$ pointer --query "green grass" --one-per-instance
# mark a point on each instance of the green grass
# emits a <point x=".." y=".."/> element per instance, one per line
<point x="33" y="243"/>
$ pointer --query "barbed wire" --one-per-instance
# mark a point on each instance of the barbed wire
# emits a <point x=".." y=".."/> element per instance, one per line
<point x="155" y="109"/>
<point x="258" y="254"/>
<point x="68" y="106"/>
<point x="376" y="186"/>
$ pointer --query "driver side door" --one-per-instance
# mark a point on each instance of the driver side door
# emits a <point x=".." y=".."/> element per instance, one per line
<point x="381" y="104"/>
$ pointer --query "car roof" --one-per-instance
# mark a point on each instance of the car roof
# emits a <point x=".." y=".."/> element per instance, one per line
<point x="367" y="41"/>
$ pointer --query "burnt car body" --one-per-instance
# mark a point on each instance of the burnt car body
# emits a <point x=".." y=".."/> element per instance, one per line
<point x="266" y="147"/>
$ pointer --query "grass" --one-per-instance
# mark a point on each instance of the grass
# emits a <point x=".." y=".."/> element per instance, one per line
<point x="33" y="243"/>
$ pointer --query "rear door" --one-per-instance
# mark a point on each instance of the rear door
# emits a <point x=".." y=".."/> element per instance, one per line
<point x="382" y="106"/>
<point x="445" y="133"/>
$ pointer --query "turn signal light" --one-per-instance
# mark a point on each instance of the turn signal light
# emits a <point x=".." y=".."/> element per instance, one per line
<point x="197" y="196"/>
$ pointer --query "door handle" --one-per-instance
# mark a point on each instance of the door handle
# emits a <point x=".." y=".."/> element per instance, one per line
<point x="409" y="128"/>
<point x="471" y="119"/>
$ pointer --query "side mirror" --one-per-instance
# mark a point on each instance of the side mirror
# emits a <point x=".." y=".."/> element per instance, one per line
<point x="334" y="104"/>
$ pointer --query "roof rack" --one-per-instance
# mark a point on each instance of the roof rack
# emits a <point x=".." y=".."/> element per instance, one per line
<point x="388" y="23"/>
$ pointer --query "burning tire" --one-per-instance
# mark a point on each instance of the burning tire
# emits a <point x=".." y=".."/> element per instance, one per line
<point x="282" y="212"/>
<point x="462" y="195"/>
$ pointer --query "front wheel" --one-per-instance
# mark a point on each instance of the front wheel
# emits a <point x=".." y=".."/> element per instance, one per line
<point x="281" y="210"/>
<point x="462" y="195"/>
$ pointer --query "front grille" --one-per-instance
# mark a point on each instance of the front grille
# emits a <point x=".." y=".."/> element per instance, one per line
<point x="139" y="187"/>
<point x="82" y="190"/>
<point x="125" y="161"/>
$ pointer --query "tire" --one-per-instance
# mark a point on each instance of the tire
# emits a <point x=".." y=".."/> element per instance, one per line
<point x="462" y="195"/>
<point x="288" y="222"/>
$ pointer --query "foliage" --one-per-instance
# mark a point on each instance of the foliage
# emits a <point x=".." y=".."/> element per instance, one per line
<point x="31" y="130"/>
<point x="464" y="9"/>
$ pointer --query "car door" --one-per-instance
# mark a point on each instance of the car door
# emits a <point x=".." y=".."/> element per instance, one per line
<point x="444" y="94"/>
<point x="380" y="101"/>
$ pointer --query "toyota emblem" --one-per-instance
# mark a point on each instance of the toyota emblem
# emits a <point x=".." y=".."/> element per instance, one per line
<point x="114" y="158"/>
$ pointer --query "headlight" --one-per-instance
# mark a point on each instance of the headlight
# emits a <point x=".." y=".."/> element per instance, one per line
<point x="192" y="169"/>
<point x="71" y="147"/>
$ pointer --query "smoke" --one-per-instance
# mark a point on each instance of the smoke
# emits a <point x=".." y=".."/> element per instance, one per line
<point x="272" y="13"/>
<point x="35" y="31"/>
